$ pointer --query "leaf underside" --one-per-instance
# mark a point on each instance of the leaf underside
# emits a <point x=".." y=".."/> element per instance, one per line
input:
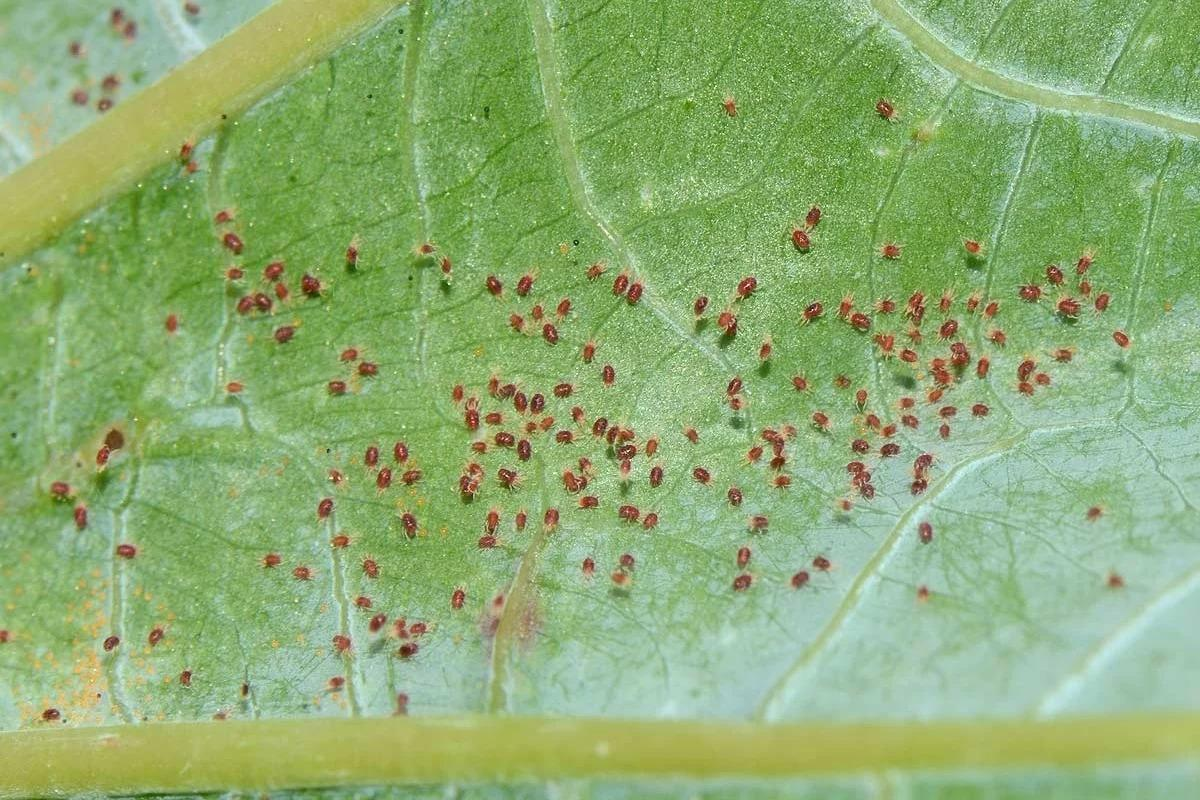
<point x="545" y="139"/>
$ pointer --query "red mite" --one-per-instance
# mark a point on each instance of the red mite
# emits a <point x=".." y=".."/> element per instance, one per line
<point x="1121" y="338"/>
<point x="699" y="305"/>
<point x="925" y="532"/>
<point x="457" y="599"/>
<point x="746" y="287"/>
<point x="801" y="240"/>
<point x="885" y="109"/>
<point x="233" y="242"/>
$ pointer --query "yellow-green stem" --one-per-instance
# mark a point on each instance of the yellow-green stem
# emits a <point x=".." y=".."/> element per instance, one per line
<point x="282" y="754"/>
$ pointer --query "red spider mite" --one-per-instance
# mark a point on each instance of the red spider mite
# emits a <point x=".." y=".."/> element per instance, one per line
<point x="273" y="271"/>
<point x="948" y="329"/>
<point x="111" y="643"/>
<point x="1030" y="293"/>
<point x="341" y="540"/>
<point x="384" y="479"/>
<point x="457" y="598"/>
<point x="800" y="383"/>
<point x="370" y="568"/>
<point x="105" y="103"/>
<point x="629" y="513"/>
<point x="860" y="321"/>
<point x="337" y="387"/>
<point x="156" y="635"/>
<point x="595" y="270"/>
<point x="730" y="106"/>
<point x="1085" y="262"/>
<point x="620" y="284"/>
<point x="981" y="367"/>
<point x="368" y="369"/>
<point x="922" y="593"/>
<point x="79" y="97"/>
<point x="860" y="446"/>
<point x="860" y="398"/>
<point x="126" y="550"/>
<point x="521" y="520"/>
<point x="235" y="274"/>
<point x="411" y="476"/>
<point x="1115" y="581"/>
<point x="973" y="247"/>
<point x="822" y="563"/>
<point x="363" y="602"/>
<point x="960" y="356"/>
<point x="102" y="456"/>
<point x="494" y="285"/>
<point x="885" y="109"/>
<point x="563" y="308"/>
<point x="820" y="420"/>
<point x="764" y="350"/>
<point x="589" y="352"/>
<point x="550" y="519"/>
<point x="885" y="305"/>
<point x="656" y="476"/>
<point x="997" y="337"/>
<point x="735" y="386"/>
<point x="245" y="305"/>
<point x="608" y="375"/>
<point x="973" y="301"/>
<point x="525" y="284"/>
<point x="371" y="456"/>
<point x="409" y="521"/>
<point x="487" y="542"/>
<point x="524" y="450"/>
<point x="799" y="579"/>
<point x="757" y="523"/>
<point x="889" y="449"/>
<point x="325" y="508"/>
<point x="650" y="521"/>
<point x="782" y="481"/>
<point x="51" y="715"/>
<point x="1054" y="275"/>
<point x="281" y="292"/>
<point x="635" y="293"/>
<point x="890" y="250"/>
<point x="812" y="217"/>
<point x="425" y="249"/>
<point x="471" y="419"/>
<point x="1025" y="388"/>
<point x="81" y="516"/>
<point x="742" y="582"/>
<point x="1121" y="338"/>
<point x="172" y="323"/>
<point x="302" y="573"/>
<point x="1025" y="369"/>
<point x="979" y="410"/>
<point x="1068" y="307"/>
<point x="746" y="287"/>
<point x="505" y="439"/>
<point x="407" y="650"/>
<point x="846" y="306"/>
<point x="1102" y="301"/>
<point x="550" y="333"/>
<point x="341" y="643"/>
<point x="564" y="437"/>
<point x="1064" y="354"/>
<point x="651" y="446"/>
<point x="599" y="426"/>
<point x="284" y="334"/>
<point x="946" y="301"/>
<point x="588" y="566"/>
<point x="692" y="435"/>
<point x="801" y="240"/>
<point x="589" y="501"/>
<point x="701" y="475"/>
<point x="271" y="560"/>
<point x="754" y="454"/>
<point x="233" y="242"/>
<point x="727" y="322"/>
<point x="1041" y="379"/>
<point x="812" y="311"/>
<point x="336" y="683"/>
<point x="1085" y="288"/>
<point x="991" y="309"/>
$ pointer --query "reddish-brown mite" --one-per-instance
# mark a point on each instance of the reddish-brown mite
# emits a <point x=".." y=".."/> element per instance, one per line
<point x="336" y="683"/>
<point x="629" y="513"/>
<point x="1068" y="307"/>
<point x="111" y="643"/>
<point x="370" y="568"/>
<point x="757" y="523"/>
<point x="156" y="635"/>
<point x="635" y="293"/>
<point x="860" y="321"/>
<point x="51" y="715"/>
<point x="608" y="375"/>
<point x="384" y="479"/>
<point x="889" y="449"/>
<point x="407" y="650"/>
<point x="1085" y="261"/>
<point x="409" y="521"/>
<point x="1121" y="338"/>
<point x="801" y="240"/>
<point x="620" y="284"/>
<point x="991" y="309"/>
<point x="812" y="311"/>
<point x="302" y="573"/>
<point x="764" y="350"/>
<point x="525" y="284"/>
<point x="922" y="593"/>
<point x="973" y="247"/>
<point x="233" y="242"/>
<point x="281" y="291"/>
<point x="341" y="643"/>
<point x="981" y="367"/>
<point x="822" y="563"/>
<point x="890" y="250"/>
<point x="271" y="560"/>
<point x="337" y="387"/>
<point x="1115" y="581"/>
<point x="363" y="602"/>
<point x="1102" y="301"/>
<point x="550" y="519"/>
<point x="746" y="287"/>
<point x="588" y="567"/>
<point x="550" y="333"/>
<point x="1030" y="293"/>
<point x="1025" y="388"/>
<point x="172" y="323"/>
<point x="1094" y="513"/>
<point x="701" y="475"/>
<point x="692" y="435"/>
<point x="1085" y="288"/>
<point x="368" y="369"/>
<point x="799" y="579"/>
<point x="563" y="308"/>
<point x="699" y="304"/>
<point x="948" y="329"/>
<point x="742" y="582"/>
<point x="1054" y="275"/>
<point x="487" y="542"/>
<point x="730" y="106"/>
<point x="340" y="540"/>
<point x="524" y="450"/>
<point x="494" y="285"/>
<point x="820" y="420"/>
<point x="727" y="322"/>
<point x="126" y="550"/>
<point x="81" y="516"/>
<point x="885" y="109"/>
<point x="595" y="270"/>
<point x="284" y="334"/>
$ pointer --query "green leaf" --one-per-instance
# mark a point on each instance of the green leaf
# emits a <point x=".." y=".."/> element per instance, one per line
<point x="543" y="139"/>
